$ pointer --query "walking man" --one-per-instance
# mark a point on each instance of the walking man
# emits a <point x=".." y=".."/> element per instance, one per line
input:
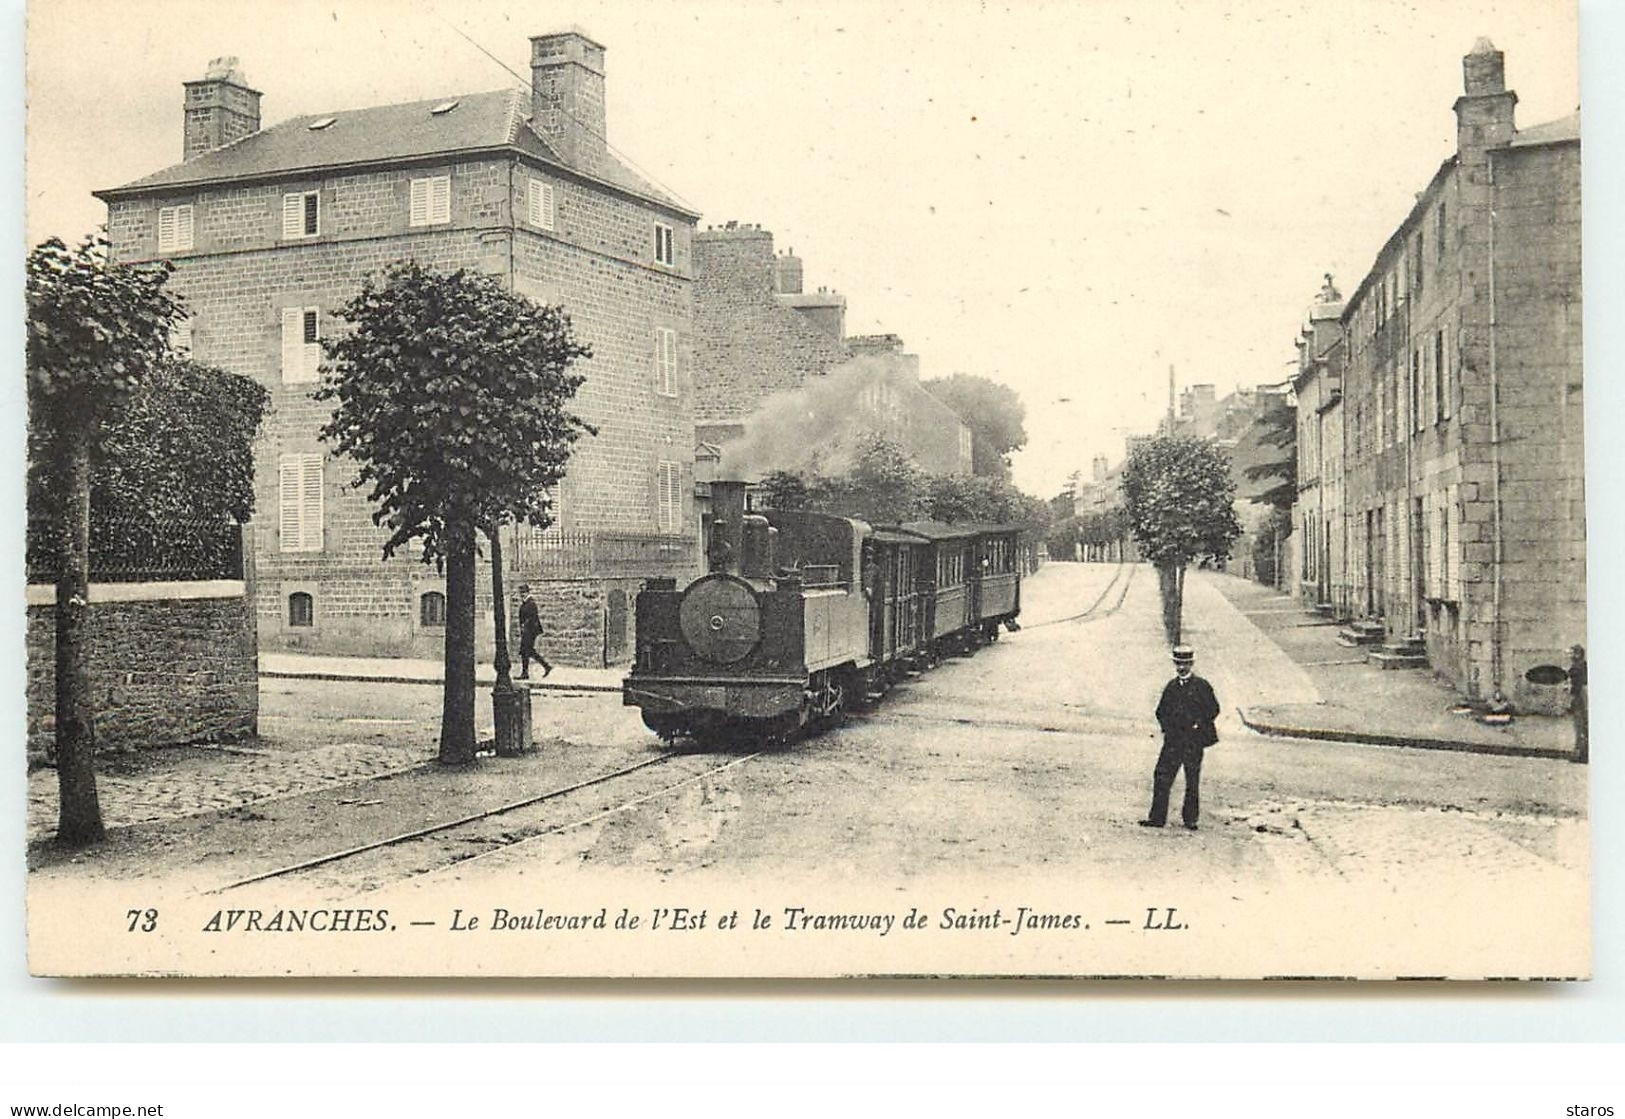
<point x="530" y="628"/>
<point x="1185" y="713"/>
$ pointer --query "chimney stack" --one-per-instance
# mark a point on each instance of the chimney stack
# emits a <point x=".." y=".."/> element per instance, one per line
<point x="567" y="97"/>
<point x="1484" y="110"/>
<point x="787" y="273"/>
<point x="220" y="108"/>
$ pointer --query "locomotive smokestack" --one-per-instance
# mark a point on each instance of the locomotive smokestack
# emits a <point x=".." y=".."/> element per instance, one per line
<point x="727" y="526"/>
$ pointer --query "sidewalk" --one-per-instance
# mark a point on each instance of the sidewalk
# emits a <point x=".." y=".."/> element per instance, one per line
<point x="1362" y="703"/>
<point x="402" y="670"/>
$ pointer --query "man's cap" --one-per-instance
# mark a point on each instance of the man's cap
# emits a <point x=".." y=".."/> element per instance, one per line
<point x="1184" y="654"/>
<point x="524" y="588"/>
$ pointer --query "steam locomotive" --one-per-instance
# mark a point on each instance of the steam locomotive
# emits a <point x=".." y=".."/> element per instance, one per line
<point x="803" y="615"/>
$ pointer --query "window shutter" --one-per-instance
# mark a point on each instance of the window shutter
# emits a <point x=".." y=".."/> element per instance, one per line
<point x="312" y="214"/>
<point x="180" y="336"/>
<point x="293" y="215"/>
<point x="183" y="227"/>
<point x="420" y="202"/>
<point x="288" y="522"/>
<point x="293" y="344"/>
<point x="166" y="229"/>
<point x="541" y="204"/>
<point x="440" y="199"/>
<point x="310" y="503"/>
<point x="671" y="498"/>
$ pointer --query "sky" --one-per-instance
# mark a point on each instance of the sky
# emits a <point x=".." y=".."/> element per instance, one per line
<point x="1068" y="198"/>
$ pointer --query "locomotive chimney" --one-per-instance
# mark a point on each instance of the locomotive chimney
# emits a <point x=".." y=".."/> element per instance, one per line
<point x="727" y="526"/>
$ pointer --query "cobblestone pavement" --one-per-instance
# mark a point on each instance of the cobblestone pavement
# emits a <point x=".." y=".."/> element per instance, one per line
<point x="169" y="784"/>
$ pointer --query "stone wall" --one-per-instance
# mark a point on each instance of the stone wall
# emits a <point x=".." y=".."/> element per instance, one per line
<point x="748" y="344"/>
<point x="171" y="663"/>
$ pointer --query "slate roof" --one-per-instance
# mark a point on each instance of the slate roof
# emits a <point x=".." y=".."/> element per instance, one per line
<point x="1559" y="131"/>
<point x="497" y="120"/>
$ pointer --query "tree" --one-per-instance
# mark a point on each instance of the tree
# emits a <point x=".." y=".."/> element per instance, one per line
<point x="994" y="414"/>
<point x="884" y="486"/>
<point x="1179" y="498"/>
<point x="786" y="490"/>
<point x="96" y="330"/>
<point x="451" y="394"/>
<point x="1277" y="428"/>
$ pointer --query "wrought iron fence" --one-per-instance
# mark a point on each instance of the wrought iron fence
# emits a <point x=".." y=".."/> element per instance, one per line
<point x="556" y="554"/>
<point x="137" y="550"/>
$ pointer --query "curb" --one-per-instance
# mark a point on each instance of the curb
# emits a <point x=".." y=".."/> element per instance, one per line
<point x="1369" y="738"/>
<point x="343" y="677"/>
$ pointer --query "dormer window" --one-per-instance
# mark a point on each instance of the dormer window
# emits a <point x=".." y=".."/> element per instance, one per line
<point x="301" y="215"/>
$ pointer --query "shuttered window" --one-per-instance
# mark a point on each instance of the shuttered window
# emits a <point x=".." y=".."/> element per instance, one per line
<point x="665" y="245"/>
<point x="540" y="204"/>
<point x="301" y="345"/>
<point x="669" y="479"/>
<point x="180" y="337"/>
<point x="666" y="361"/>
<point x="431" y="201"/>
<point x="174" y="229"/>
<point x="299" y="502"/>
<point x="301" y="215"/>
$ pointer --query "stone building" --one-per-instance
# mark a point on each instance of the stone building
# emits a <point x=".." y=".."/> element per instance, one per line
<point x="272" y="230"/>
<point x="1318" y="554"/>
<point x="1462" y="504"/>
<point x="759" y="335"/>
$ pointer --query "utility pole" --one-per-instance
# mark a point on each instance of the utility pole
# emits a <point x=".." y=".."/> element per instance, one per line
<point x="1170" y="400"/>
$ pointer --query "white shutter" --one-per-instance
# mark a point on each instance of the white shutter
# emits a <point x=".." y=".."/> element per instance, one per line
<point x="310" y="503"/>
<point x="289" y="527"/>
<point x="183" y="227"/>
<point x="293" y="215"/>
<point x="420" y="203"/>
<point x="293" y="345"/>
<point x="666" y="361"/>
<point x="670" y="497"/>
<point x="541" y="204"/>
<point x="180" y="336"/>
<point x="440" y="199"/>
<point x="166" y="229"/>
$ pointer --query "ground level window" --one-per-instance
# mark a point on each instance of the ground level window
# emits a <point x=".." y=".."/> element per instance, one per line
<point x="301" y="609"/>
<point x="432" y="609"/>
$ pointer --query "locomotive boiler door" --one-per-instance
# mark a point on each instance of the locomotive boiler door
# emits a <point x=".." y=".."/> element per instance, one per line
<point x="720" y="619"/>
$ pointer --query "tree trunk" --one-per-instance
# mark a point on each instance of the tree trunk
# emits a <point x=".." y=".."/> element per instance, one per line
<point x="457" y="707"/>
<point x="80" y="821"/>
<point x="1179" y="604"/>
<point x="1167" y="590"/>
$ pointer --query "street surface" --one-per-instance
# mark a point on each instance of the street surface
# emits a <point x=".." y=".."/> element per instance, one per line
<point x="1013" y="778"/>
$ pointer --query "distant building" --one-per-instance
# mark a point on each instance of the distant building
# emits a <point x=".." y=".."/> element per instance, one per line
<point x="1456" y="510"/>
<point x="758" y="335"/>
<point x="272" y="230"/>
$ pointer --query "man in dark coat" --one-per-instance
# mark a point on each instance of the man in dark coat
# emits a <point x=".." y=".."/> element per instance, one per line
<point x="530" y="628"/>
<point x="1185" y="713"/>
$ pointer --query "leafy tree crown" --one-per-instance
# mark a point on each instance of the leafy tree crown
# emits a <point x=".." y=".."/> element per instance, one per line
<point x="452" y="394"/>
<point x="1179" y="498"/>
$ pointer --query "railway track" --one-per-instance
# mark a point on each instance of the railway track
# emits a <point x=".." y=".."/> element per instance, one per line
<point x="438" y="847"/>
<point x="1119" y="581"/>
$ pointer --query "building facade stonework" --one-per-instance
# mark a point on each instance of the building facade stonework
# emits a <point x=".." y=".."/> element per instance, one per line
<point x="759" y="335"/>
<point x="272" y="231"/>
<point x="1460" y="506"/>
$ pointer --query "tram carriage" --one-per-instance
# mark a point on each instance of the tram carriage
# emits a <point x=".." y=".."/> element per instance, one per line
<point x="803" y="615"/>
